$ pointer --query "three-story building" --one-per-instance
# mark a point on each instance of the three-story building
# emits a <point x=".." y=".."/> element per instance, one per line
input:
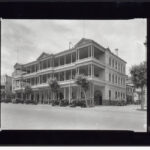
<point x="105" y="70"/>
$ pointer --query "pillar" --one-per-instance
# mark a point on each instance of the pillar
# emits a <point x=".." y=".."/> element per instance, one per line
<point x="71" y="75"/>
<point x="64" y="59"/>
<point x="91" y="51"/>
<point x="58" y="61"/>
<point x="71" y="57"/>
<point x="64" y="75"/>
<point x="92" y="70"/>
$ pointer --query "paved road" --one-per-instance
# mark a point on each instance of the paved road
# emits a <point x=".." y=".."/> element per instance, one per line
<point x="22" y="116"/>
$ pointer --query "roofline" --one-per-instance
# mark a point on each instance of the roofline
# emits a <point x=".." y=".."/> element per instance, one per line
<point x="72" y="49"/>
<point x="116" y="56"/>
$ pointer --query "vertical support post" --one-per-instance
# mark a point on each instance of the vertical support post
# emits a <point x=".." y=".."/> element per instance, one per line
<point x="69" y="93"/>
<point x="93" y="93"/>
<point x="47" y="63"/>
<point x="71" y="74"/>
<point x="64" y="59"/>
<point x="76" y="54"/>
<point x="71" y="58"/>
<point x="58" y="61"/>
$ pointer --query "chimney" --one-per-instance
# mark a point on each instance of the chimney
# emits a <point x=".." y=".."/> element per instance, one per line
<point x="70" y="43"/>
<point x="116" y="50"/>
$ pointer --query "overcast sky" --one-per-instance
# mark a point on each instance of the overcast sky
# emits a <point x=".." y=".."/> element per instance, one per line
<point x="24" y="40"/>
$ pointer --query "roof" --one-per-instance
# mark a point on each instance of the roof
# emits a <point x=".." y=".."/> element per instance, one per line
<point x="43" y="55"/>
<point x="80" y="43"/>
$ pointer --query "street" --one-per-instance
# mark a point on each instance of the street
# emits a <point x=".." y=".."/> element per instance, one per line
<point x="46" y="117"/>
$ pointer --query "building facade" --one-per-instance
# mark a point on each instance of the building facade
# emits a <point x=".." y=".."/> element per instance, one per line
<point x="105" y="70"/>
<point x="6" y="86"/>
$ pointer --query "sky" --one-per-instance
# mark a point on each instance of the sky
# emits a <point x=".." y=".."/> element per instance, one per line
<point x="23" y="41"/>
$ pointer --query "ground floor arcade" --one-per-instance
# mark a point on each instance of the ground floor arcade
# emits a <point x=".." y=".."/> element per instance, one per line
<point x="98" y="93"/>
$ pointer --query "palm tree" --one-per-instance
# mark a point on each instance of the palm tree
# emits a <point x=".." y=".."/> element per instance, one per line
<point x="54" y="86"/>
<point x="82" y="81"/>
<point x="28" y="90"/>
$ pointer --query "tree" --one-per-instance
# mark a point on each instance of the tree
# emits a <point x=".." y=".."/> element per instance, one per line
<point x="28" y="90"/>
<point x="54" y="86"/>
<point x="139" y="79"/>
<point x="83" y="82"/>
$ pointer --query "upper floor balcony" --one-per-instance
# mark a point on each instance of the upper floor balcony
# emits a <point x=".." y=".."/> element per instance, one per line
<point x="63" y="77"/>
<point x="72" y="58"/>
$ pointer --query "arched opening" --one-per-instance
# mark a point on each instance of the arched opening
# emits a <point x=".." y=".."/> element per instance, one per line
<point x="98" y="97"/>
<point x="61" y="96"/>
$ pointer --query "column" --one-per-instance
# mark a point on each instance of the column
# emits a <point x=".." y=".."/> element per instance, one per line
<point x="91" y="70"/>
<point x="58" y="61"/>
<point x="71" y="57"/>
<point x="88" y="70"/>
<point x="78" y="54"/>
<point x="88" y="51"/>
<point x="93" y="93"/>
<point x="91" y="51"/>
<point x="58" y="76"/>
<point x="71" y="74"/>
<point x="69" y="93"/>
<point x="47" y="63"/>
<point x="64" y="75"/>
<point x="64" y="59"/>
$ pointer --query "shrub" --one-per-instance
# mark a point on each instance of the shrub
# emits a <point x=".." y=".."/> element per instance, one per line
<point x="29" y="101"/>
<point x="64" y="102"/>
<point x="7" y="100"/>
<point x="80" y="103"/>
<point x="17" y="100"/>
<point x="55" y="102"/>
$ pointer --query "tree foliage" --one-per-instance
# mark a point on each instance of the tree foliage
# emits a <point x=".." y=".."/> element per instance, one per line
<point x="28" y="89"/>
<point x="139" y="78"/>
<point x="53" y="85"/>
<point x="139" y="75"/>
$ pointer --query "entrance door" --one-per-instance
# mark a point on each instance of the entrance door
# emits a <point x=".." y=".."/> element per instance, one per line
<point x="98" y="97"/>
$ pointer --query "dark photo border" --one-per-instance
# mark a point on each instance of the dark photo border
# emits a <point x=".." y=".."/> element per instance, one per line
<point x="78" y="10"/>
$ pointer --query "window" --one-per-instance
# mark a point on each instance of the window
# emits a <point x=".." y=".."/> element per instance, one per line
<point x="109" y="94"/>
<point x="109" y="77"/>
<point x="121" y="68"/>
<point x="116" y="64"/>
<point x="113" y="78"/>
<point x="113" y="62"/>
<point x="123" y="95"/>
<point x="116" y="95"/>
<point x="123" y="81"/>
<point x="109" y="61"/>
<point x="116" y="79"/>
